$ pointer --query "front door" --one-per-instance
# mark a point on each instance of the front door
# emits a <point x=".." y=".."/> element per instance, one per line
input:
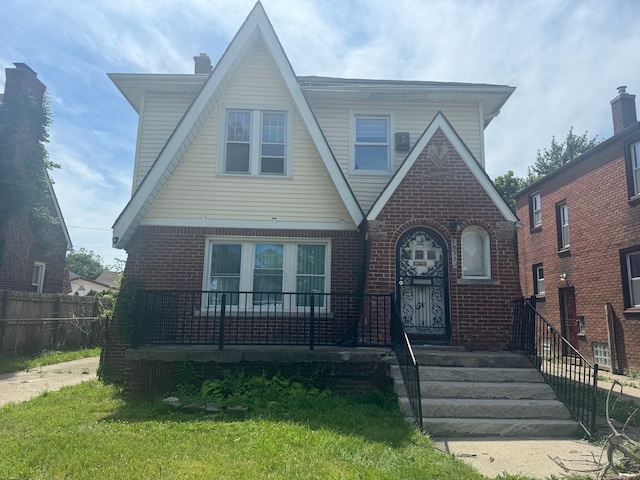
<point x="422" y="284"/>
<point x="568" y="312"/>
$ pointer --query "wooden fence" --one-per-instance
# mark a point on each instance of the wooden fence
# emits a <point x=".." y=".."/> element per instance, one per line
<point x="32" y="322"/>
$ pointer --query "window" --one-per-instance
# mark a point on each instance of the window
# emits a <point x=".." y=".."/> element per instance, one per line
<point x="538" y="279"/>
<point x="534" y="208"/>
<point x="267" y="269"/>
<point x="563" y="225"/>
<point x="256" y="142"/>
<point x="633" y="278"/>
<point x="635" y="167"/>
<point x="476" y="258"/>
<point x="601" y="354"/>
<point x="371" y="144"/>
<point x="37" y="277"/>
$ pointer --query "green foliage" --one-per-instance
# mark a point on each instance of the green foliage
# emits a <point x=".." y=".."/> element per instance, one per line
<point x="24" y="161"/>
<point x="559" y="154"/>
<point x="85" y="263"/>
<point x="186" y="379"/>
<point x="125" y="305"/>
<point x="507" y="186"/>
<point x="47" y="357"/>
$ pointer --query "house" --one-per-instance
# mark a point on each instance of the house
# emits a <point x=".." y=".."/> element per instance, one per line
<point x="579" y="251"/>
<point x="32" y="255"/>
<point x="81" y="286"/>
<point x="262" y="184"/>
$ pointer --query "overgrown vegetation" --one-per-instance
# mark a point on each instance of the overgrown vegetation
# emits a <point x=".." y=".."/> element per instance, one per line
<point x="124" y="306"/>
<point x="48" y="357"/>
<point x="308" y="437"/>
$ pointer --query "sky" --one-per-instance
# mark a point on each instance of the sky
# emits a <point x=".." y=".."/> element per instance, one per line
<point x="565" y="57"/>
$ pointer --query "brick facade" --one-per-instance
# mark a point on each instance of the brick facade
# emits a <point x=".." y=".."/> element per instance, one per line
<point x="447" y="198"/>
<point x="604" y="220"/>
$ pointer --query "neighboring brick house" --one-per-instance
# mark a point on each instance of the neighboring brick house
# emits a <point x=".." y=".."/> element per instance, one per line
<point x="33" y="259"/>
<point x="349" y="186"/>
<point x="579" y="252"/>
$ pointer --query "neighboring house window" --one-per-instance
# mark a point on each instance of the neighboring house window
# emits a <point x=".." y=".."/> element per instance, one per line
<point x="635" y="167"/>
<point x="256" y="142"/>
<point x="538" y="279"/>
<point x="476" y="258"/>
<point x="562" y="213"/>
<point x="534" y="208"/>
<point x="371" y="139"/>
<point x="267" y="269"/>
<point x="632" y="264"/>
<point x="37" y="278"/>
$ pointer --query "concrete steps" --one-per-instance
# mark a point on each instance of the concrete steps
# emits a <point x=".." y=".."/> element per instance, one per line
<point x="484" y="394"/>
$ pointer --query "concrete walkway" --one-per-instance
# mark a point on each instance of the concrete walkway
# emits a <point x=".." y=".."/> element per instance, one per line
<point x="21" y="386"/>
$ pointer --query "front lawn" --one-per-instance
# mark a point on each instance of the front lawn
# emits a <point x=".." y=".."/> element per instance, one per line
<point x="88" y="431"/>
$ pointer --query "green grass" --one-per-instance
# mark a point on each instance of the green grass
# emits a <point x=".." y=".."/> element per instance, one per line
<point x="88" y="431"/>
<point x="48" y="357"/>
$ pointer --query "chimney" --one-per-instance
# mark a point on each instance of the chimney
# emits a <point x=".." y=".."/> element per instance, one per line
<point x="20" y="79"/>
<point x="623" y="109"/>
<point x="203" y="64"/>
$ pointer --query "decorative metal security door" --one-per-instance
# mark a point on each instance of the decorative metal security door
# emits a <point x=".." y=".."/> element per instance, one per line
<point x="422" y="278"/>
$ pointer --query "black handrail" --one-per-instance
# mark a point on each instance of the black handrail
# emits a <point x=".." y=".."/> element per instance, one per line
<point x="194" y="317"/>
<point x="573" y="378"/>
<point x="407" y="363"/>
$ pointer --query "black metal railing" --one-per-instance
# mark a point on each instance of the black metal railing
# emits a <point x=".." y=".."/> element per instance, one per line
<point x="573" y="378"/>
<point x="409" y="367"/>
<point x="261" y="318"/>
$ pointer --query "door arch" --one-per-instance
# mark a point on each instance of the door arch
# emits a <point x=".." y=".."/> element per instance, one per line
<point x="422" y="283"/>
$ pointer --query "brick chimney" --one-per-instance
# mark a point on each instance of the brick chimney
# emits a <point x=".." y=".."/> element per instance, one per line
<point x="203" y="64"/>
<point x="623" y="109"/>
<point x="22" y="78"/>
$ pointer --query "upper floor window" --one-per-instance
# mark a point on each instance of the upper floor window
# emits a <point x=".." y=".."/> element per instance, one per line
<point x="538" y="279"/>
<point x="635" y="167"/>
<point x="534" y="208"/>
<point x="476" y="253"/>
<point x="268" y="269"/>
<point x="562" y="213"/>
<point x="632" y="267"/>
<point x="371" y="140"/>
<point x="37" y="277"/>
<point x="256" y="142"/>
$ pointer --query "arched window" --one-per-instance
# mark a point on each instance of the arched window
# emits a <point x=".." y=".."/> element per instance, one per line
<point x="476" y="253"/>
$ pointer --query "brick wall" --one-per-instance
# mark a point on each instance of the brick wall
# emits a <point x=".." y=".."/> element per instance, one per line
<point x="439" y="198"/>
<point x="602" y="223"/>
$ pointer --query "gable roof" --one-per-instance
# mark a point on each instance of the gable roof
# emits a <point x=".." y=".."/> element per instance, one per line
<point x="56" y="205"/>
<point x="441" y="123"/>
<point x="256" y="26"/>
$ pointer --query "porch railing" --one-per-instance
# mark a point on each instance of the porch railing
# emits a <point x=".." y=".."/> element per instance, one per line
<point x="573" y="378"/>
<point x="261" y="318"/>
<point x="409" y="367"/>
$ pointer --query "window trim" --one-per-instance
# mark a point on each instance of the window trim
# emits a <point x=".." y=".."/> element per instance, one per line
<point x="39" y="287"/>
<point x="535" y="197"/>
<point x="247" y="261"/>
<point x="536" y="279"/>
<point x="389" y="115"/>
<point x="564" y="234"/>
<point x="633" y="172"/>
<point x="255" y="142"/>
<point x="486" y="245"/>
<point x="627" y="285"/>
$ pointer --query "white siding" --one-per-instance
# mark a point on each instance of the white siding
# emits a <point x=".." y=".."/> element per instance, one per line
<point x="197" y="191"/>
<point x="160" y="116"/>
<point x="334" y="120"/>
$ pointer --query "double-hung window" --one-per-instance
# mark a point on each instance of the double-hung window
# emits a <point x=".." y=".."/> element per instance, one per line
<point x="562" y="213"/>
<point x="263" y="272"/>
<point x="371" y="139"/>
<point x="37" y="277"/>
<point x="632" y="260"/>
<point x="538" y="279"/>
<point x="635" y="167"/>
<point x="536" y="214"/>
<point x="256" y="142"/>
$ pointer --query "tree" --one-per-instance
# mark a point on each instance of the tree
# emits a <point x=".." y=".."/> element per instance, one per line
<point x="507" y="186"/>
<point x="85" y="263"/>
<point x="558" y="154"/>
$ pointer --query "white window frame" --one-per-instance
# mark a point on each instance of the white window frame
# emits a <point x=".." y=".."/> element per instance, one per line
<point x="539" y="279"/>
<point x="289" y="265"/>
<point x="563" y="225"/>
<point x="635" y="167"/>
<point x="486" y="251"/>
<point x="631" y="280"/>
<point x="255" y="142"/>
<point x="390" y="117"/>
<point x="38" y="283"/>
<point x="536" y="212"/>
